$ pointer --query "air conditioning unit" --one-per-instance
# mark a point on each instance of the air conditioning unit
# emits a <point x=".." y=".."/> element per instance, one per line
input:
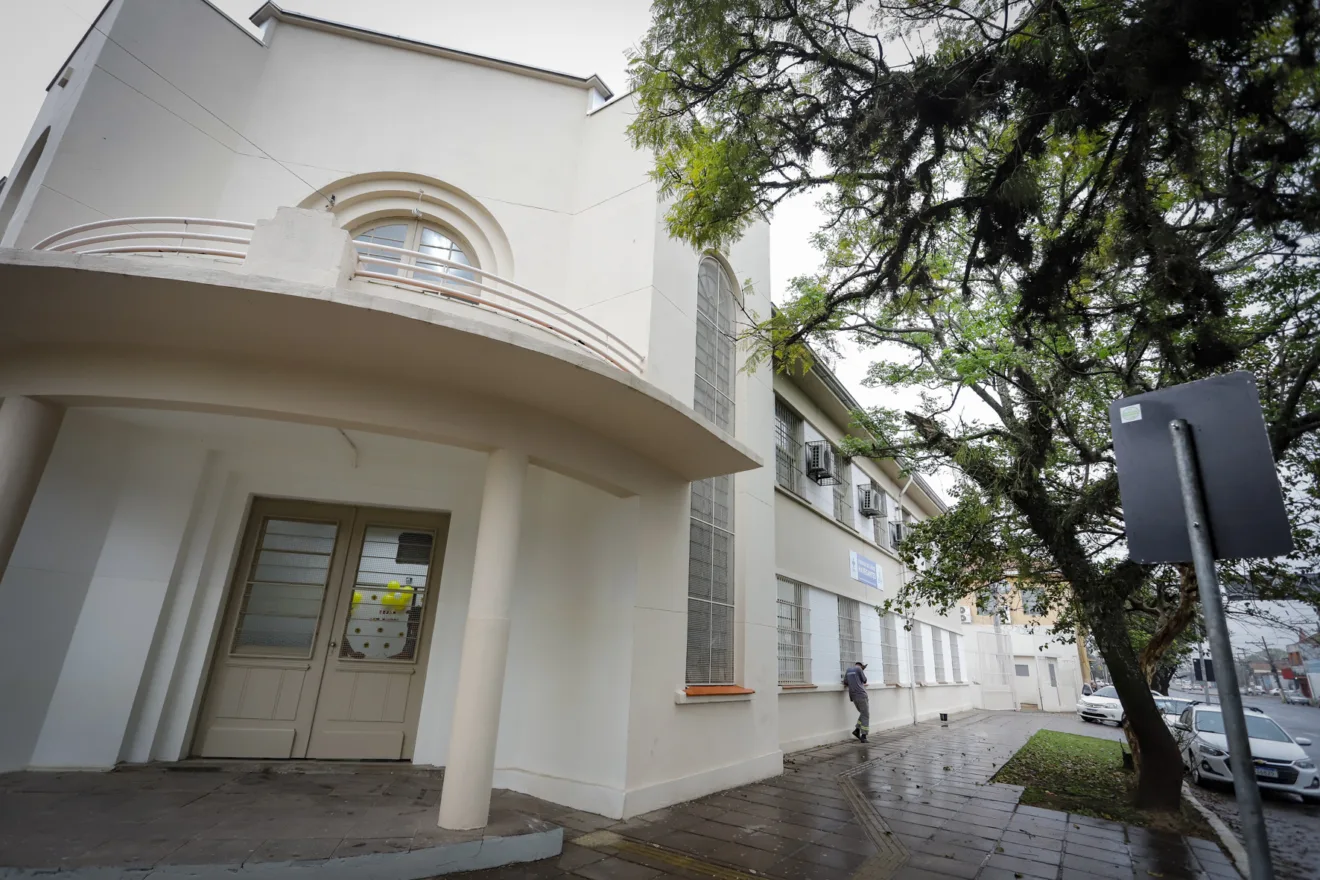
<point x="897" y="532"/>
<point x="821" y="463"/>
<point x="870" y="501"/>
<point x="965" y="613"/>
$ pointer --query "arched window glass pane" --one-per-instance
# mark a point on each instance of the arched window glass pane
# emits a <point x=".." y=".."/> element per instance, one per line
<point x="416" y="237"/>
<point x="439" y="245"/>
<point x="393" y="235"/>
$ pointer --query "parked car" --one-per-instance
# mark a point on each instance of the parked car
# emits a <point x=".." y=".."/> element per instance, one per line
<point x="1274" y="692"/>
<point x="1279" y="760"/>
<point x="1296" y="697"/>
<point x="1104" y="705"/>
<point x="1172" y="708"/>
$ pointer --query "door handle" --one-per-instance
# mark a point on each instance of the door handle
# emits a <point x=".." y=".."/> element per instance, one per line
<point x="334" y="644"/>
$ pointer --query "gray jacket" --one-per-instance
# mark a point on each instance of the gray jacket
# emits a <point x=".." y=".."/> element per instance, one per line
<point x="855" y="680"/>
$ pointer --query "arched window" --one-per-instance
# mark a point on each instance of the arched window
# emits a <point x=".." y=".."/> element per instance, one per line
<point x="714" y="373"/>
<point x="710" y="656"/>
<point x="414" y="236"/>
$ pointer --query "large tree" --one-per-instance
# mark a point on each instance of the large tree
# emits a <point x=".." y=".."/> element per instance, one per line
<point x="1035" y="205"/>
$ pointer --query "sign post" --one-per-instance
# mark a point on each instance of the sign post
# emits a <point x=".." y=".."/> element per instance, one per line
<point x="1198" y="482"/>
<point x="1235" y="722"/>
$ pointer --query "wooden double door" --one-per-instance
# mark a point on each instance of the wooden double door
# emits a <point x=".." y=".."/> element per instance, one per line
<point x="322" y="652"/>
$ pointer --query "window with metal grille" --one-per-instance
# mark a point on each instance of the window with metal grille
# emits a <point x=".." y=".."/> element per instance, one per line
<point x="843" y="511"/>
<point x="918" y="654"/>
<point x="794" y="633"/>
<point x="884" y="535"/>
<point x="713" y="397"/>
<point x="954" y="659"/>
<point x="710" y="583"/>
<point x="788" y="447"/>
<point x="889" y="648"/>
<point x="881" y="531"/>
<point x="937" y="648"/>
<point x="850" y="633"/>
<point x="1054" y="677"/>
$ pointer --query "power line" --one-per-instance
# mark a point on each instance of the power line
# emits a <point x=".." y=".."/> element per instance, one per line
<point x="329" y="199"/>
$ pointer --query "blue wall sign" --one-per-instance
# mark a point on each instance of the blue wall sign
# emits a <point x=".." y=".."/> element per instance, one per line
<point x="863" y="569"/>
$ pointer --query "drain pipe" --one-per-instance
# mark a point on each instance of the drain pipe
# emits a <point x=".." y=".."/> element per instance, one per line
<point x="902" y="583"/>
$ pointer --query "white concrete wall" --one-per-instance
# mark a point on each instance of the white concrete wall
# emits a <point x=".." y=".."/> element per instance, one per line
<point x="48" y="577"/>
<point x="163" y="497"/>
<point x="563" y="189"/>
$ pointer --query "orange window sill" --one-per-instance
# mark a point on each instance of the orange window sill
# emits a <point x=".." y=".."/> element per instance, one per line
<point x="716" y="690"/>
<point x="797" y="687"/>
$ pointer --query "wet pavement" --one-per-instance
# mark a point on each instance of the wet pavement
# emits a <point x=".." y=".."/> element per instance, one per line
<point x="913" y="804"/>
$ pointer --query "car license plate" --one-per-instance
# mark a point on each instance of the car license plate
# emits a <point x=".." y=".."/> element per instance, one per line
<point x="1267" y="773"/>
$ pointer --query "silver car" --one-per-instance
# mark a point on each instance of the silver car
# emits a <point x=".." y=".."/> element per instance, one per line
<point x="1279" y="760"/>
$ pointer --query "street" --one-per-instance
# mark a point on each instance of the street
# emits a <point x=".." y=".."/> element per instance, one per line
<point x="1293" y="826"/>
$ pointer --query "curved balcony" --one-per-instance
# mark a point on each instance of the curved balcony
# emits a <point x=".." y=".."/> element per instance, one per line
<point x="467" y="284"/>
<point x="413" y="270"/>
<point x="182" y="235"/>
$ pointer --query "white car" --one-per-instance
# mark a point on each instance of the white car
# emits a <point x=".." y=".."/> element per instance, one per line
<point x="1104" y="705"/>
<point x="1280" y="762"/>
<point x="1172" y="708"/>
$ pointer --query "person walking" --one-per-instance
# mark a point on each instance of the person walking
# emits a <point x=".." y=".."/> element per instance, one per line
<point x="855" y="681"/>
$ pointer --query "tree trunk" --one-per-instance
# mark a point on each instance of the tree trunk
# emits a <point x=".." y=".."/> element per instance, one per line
<point x="1159" y="766"/>
<point x="1172" y="623"/>
<point x="1163" y="675"/>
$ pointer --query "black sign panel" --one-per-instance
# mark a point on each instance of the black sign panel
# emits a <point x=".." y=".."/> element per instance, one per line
<point x="1203" y="673"/>
<point x="1238" y="478"/>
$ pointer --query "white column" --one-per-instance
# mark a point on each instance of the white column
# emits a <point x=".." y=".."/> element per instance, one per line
<point x="470" y="768"/>
<point x="27" y="434"/>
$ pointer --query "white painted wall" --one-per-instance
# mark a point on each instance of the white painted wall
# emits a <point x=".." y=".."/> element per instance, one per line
<point x="49" y="575"/>
<point x="158" y="570"/>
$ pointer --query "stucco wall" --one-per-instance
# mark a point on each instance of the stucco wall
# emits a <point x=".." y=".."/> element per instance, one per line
<point x="158" y="501"/>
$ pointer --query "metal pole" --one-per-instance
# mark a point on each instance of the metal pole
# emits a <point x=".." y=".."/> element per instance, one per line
<point x="1205" y="676"/>
<point x="1230" y="701"/>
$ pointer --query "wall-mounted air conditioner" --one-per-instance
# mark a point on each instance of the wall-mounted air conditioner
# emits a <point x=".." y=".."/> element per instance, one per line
<point x="897" y="532"/>
<point x="821" y="463"/>
<point x="965" y="613"/>
<point x="870" y="501"/>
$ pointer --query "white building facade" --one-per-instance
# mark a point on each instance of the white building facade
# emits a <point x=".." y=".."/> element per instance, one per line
<point x="351" y="422"/>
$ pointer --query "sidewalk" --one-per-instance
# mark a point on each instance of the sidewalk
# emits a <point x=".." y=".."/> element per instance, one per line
<point x="913" y="804"/>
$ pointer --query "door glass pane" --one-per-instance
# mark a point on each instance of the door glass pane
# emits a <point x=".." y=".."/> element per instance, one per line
<point x="285" y="588"/>
<point x="389" y="595"/>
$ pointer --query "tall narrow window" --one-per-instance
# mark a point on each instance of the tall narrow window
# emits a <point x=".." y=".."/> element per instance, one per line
<point x="889" y="648"/>
<point x="713" y="397"/>
<point x="954" y="660"/>
<point x="918" y="654"/>
<point x="710" y="658"/>
<point x="710" y="583"/>
<point x="794" y="634"/>
<point x="892" y="514"/>
<point x="843" y="511"/>
<point x="937" y="648"/>
<point x="850" y="633"/>
<point x="788" y="447"/>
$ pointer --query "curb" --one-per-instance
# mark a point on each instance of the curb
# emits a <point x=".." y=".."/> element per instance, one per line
<point x="1227" y="839"/>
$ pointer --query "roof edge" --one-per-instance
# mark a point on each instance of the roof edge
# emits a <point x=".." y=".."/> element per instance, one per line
<point x="271" y="10"/>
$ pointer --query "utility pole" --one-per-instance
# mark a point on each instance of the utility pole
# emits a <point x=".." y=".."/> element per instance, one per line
<point x="1216" y="625"/>
<point x="1205" y="675"/>
<point x="1278" y="681"/>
